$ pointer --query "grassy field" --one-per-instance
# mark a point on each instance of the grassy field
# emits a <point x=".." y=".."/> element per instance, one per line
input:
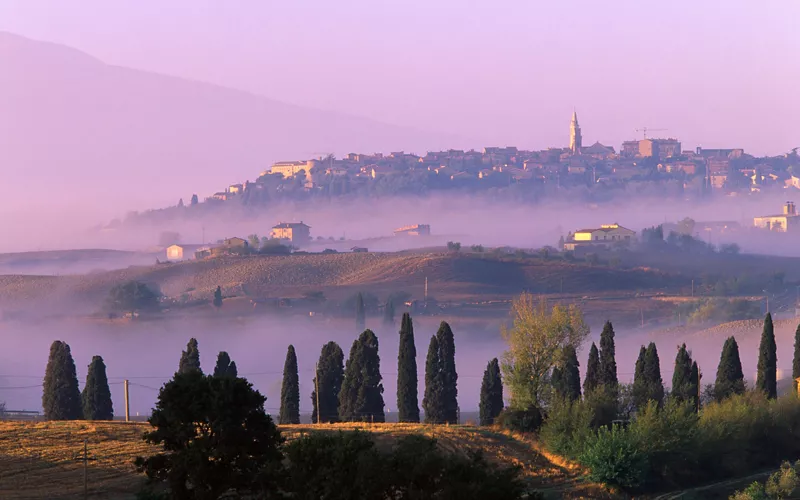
<point x="42" y="460"/>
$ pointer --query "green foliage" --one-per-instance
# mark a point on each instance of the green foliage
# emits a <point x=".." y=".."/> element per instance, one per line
<point x="407" y="401"/>
<point x="361" y="396"/>
<point x="766" y="380"/>
<point x="61" y="399"/>
<point x="132" y="297"/>
<point x="592" y="379"/>
<point x="190" y="358"/>
<point x="218" y="297"/>
<point x="608" y="362"/>
<point x="491" y="402"/>
<point x="567" y="427"/>
<point x="527" y="420"/>
<point x="225" y="367"/>
<point x="613" y="457"/>
<point x="684" y="386"/>
<point x="290" y="390"/>
<point x="603" y="405"/>
<point x="477" y="248"/>
<point x="453" y="246"/>
<point x="330" y="371"/>
<point x="344" y="466"/>
<point x="215" y="437"/>
<point x="730" y="378"/>
<point x="572" y="376"/>
<point x="441" y="379"/>
<point x="432" y="400"/>
<point x="719" y="310"/>
<point x="96" y="396"/>
<point x="755" y="491"/>
<point x="194" y="200"/>
<point x="652" y="373"/>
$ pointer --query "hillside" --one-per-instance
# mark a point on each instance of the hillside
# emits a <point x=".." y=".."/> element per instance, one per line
<point x="38" y="460"/>
<point x="451" y="276"/>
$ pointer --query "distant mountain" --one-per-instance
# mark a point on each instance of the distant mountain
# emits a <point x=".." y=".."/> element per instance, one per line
<point x="75" y="131"/>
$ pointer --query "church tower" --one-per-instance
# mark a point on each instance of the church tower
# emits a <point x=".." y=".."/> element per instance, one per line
<point x="575" y="141"/>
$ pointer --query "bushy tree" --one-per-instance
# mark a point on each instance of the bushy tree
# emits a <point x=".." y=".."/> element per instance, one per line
<point x="535" y="342"/>
<point x="684" y="387"/>
<point x="796" y="358"/>
<point x="592" y="379"/>
<point x="361" y="396"/>
<point x="132" y="297"/>
<point x="766" y="379"/>
<point x="218" y="297"/>
<point x="96" y="396"/>
<point x="225" y="367"/>
<point x="290" y="390"/>
<point x="608" y="361"/>
<point x="330" y="372"/>
<point x="190" y="358"/>
<point x="432" y="401"/>
<point x="361" y="314"/>
<point x="730" y="378"/>
<point x="491" y="403"/>
<point x="407" y="402"/>
<point x="61" y="398"/>
<point x="215" y="436"/>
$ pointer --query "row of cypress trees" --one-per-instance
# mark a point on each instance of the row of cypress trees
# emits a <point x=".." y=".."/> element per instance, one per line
<point x="61" y="398"/>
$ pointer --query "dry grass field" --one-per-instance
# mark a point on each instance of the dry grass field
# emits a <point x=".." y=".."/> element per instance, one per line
<point x="42" y="460"/>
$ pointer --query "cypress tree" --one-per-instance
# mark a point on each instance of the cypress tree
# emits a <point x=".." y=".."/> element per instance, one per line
<point x="796" y="358"/>
<point x="361" y="314"/>
<point x="766" y="380"/>
<point x="591" y="381"/>
<point x="694" y="385"/>
<point x="447" y="360"/>
<point x="681" y="377"/>
<point x="96" y="396"/>
<point x="640" y="381"/>
<point x="407" y="402"/>
<point x="730" y="379"/>
<point x="652" y="374"/>
<point x="61" y="398"/>
<point x="608" y="362"/>
<point x="557" y="382"/>
<point x="361" y="397"/>
<point x="491" y="403"/>
<point x="190" y="358"/>
<point x="571" y="374"/>
<point x="225" y="367"/>
<point x="388" y="313"/>
<point x="290" y="390"/>
<point x="218" y="297"/>
<point x="330" y="371"/>
<point x="432" y="401"/>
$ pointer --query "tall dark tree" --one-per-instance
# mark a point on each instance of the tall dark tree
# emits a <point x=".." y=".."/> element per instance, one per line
<point x="361" y="397"/>
<point x="96" y="396"/>
<point x="491" y="403"/>
<point x="330" y="372"/>
<point x="290" y="390"/>
<point x="407" y="400"/>
<point x="608" y="361"/>
<point x="432" y="401"/>
<point x="557" y="381"/>
<point x="190" y="358"/>
<point x="388" y="312"/>
<point x="592" y="379"/>
<point x="796" y="358"/>
<point x="694" y="384"/>
<point x="571" y="374"/>
<point x="766" y="379"/>
<point x="730" y="379"/>
<point x="225" y="367"/>
<point x="361" y="313"/>
<point x="218" y="297"/>
<point x="194" y="199"/>
<point x="652" y="373"/>
<point x="61" y="398"/>
<point x="682" y="387"/>
<point x="447" y="360"/>
<point x="640" y="380"/>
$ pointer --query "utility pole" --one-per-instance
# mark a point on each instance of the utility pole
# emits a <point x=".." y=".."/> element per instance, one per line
<point x="127" y="401"/>
<point x="316" y="389"/>
<point x="426" y="289"/>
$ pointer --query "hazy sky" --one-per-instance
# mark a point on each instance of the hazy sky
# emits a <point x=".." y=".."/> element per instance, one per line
<point x="714" y="73"/>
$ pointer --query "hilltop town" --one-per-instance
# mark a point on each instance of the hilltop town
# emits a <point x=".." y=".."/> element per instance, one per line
<point x="595" y="172"/>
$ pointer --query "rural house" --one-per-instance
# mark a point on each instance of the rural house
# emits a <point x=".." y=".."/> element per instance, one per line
<point x="182" y="252"/>
<point x="604" y="236"/>
<point x="415" y="230"/>
<point x="782" y="223"/>
<point x="294" y="232"/>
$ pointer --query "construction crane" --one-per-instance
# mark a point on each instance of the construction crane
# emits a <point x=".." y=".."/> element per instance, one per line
<point x="645" y="129"/>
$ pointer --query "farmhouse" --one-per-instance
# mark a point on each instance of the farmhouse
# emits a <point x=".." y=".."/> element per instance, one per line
<point x="604" y="236"/>
<point x="415" y="230"/>
<point x="182" y="252"/>
<point x="788" y="221"/>
<point x="295" y="232"/>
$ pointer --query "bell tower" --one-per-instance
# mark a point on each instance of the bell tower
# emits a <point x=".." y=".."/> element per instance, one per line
<point x="575" y="140"/>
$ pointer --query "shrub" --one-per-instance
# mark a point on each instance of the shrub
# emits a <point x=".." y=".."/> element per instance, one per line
<point x="614" y="457"/>
<point x="604" y="406"/>
<point x="567" y="428"/>
<point x="529" y="420"/>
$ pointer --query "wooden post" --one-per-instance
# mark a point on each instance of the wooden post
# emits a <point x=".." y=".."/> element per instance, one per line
<point x="127" y="402"/>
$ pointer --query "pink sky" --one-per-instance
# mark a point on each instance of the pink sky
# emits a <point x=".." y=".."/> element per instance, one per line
<point x="714" y="73"/>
